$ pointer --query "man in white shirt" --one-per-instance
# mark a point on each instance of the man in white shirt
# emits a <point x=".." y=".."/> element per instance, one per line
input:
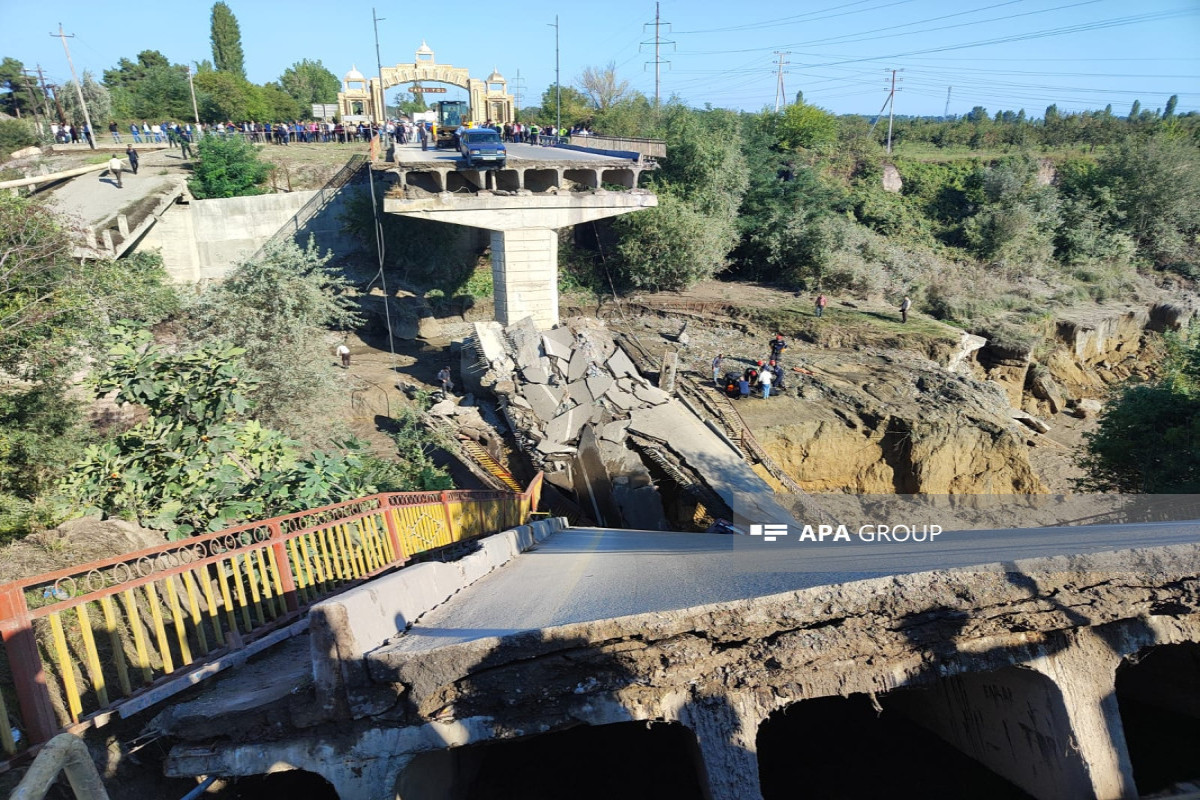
<point x="764" y="380"/>
<point x="114" y="170"/>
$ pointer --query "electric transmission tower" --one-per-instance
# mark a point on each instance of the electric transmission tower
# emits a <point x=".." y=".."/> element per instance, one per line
<point x="780" y="94"/>
<point x="518" y="91"/>
<point x="658" y="42"/>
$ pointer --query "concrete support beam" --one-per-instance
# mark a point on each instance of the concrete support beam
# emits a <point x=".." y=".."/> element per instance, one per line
<point x="726" y="730"/>
<point x="1014" y="722"/>
<point x="1085" y="672"/>
<point x="525" y="274"/>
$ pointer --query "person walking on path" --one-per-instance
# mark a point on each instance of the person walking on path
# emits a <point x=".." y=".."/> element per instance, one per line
<point x="447" y="381"/>
<point x="716" y="368"/>
<point x="344" y="353"/>
<point x="114" y="170"/>
<point x="423" y="136"/>
<point x="904" y="307"/>
<point x="821" y="303"/>
<point x="185" y="144"/>
<point x="132" y="155"/>
<point x="778" y="345"/>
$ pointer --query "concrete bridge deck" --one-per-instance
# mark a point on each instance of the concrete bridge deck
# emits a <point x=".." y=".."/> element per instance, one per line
<point x="1018" y="664"/>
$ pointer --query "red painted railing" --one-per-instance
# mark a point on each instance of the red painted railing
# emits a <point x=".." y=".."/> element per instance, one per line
<point x="76" y="642"/>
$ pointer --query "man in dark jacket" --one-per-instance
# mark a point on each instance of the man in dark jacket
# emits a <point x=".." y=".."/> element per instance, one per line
<point x="132" y="155"/>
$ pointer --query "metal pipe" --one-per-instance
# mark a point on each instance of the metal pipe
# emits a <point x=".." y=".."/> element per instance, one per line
<point x="200" y="788"/>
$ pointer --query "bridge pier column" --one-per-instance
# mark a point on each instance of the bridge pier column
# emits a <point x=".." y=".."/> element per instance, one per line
<point x="726" y="729"/>
<point x="525" y="275"/>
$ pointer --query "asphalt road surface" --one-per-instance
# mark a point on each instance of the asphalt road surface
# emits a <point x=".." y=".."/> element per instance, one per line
<point x="585" y="574"/>
<point x="412" y="153"/>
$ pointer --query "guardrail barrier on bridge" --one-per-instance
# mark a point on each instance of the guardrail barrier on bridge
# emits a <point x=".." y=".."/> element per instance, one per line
<point x="80" y="642"/>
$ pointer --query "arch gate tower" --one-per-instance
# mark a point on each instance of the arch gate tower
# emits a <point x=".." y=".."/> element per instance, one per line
<point x="489" y="98"/>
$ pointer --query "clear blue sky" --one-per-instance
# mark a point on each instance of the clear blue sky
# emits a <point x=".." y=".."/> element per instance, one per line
<point x="1001" y="54"/>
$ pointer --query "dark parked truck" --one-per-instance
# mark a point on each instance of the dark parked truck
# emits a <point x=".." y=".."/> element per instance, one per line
<point x="482" y="147"/>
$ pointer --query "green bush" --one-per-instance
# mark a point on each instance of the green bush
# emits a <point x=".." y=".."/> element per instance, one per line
<point x="14" y="135"/>
<point x="228" y="168"/>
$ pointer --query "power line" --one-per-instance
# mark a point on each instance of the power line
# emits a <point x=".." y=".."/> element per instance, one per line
<point x="518" y="90"/>
<point x="810" y="16"/>
<point x="658" y="42"/>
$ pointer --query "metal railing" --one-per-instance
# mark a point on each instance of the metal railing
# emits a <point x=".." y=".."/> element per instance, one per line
<point x="81" y="642"/>
<point x="350" y="172"/>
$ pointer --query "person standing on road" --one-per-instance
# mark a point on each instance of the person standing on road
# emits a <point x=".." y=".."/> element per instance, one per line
<point x="132" y="155"/>
<point x="716" y="368"/>
<point x="423" y="136"/>
<point x="116" y="133"/>
<point x="114" y="170"/>
<point x="904" y="307"/>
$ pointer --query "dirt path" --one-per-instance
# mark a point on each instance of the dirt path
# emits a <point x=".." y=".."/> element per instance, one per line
<point x="95" y="198"/>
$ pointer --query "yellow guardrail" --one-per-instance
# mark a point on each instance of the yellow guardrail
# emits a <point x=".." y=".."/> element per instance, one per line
<point x="80" y="642"/>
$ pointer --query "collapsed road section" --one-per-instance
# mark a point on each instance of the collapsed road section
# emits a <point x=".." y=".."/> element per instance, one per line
<point x="629" y="452"/>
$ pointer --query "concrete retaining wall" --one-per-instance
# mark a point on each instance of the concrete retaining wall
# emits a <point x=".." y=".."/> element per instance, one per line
<point x="345" y="628"/>
<point x="203" y="239"/>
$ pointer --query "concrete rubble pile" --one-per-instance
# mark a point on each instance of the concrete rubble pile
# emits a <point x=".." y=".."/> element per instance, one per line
<point x="570" y="393"/>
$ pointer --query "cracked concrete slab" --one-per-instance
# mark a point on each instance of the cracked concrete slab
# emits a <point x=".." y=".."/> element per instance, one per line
<point x="490" y="337"/>
<point x="622" y="399"/>
<point x="721" y="468"/>
<point x="558" y="342"/>
<point x="567" y="425"/>
<point x="650" y="394"/>
<point x="615" y="431"/>
<point x="599" y="384"/>
<point x="579" y="392"/>
<point x="578" y="366"/>
<point x="535" y="374"/>
<point x="620" y="364"/>
<point x="544" y="400"/>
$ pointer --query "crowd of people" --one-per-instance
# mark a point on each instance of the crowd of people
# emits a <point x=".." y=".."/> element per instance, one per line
<point x="282" y="133"/>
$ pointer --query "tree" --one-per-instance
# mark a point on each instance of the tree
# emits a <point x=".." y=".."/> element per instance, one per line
<point x="150" y="88"/>
<point x="309" y="82"/>
<point x="602" y="86"/>
<point x="406" y="104"/>
<point x="1148" y="438"/>
<point x="1169" y="111"/>
<point x="97" y="97"/>
<point x="198" y="462"/>
<point x="223" y="96"/>
<point x="21" y="96"/>
<point x="278" y="309"/>
<point x="806" y="126"/>
<point x="1135" y="110"/>
<point x="227" y="41"/>
<point x="228" y="168"/>
<point x="575" y="106"/>
<point x="279" y="105"/>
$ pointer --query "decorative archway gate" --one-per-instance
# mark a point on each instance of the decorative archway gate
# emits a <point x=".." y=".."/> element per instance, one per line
<point x="489" y="98"/>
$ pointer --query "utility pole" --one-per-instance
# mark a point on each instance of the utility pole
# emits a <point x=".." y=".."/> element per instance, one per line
<point x="780" y="96"/>
<point x="891" y="110"/>
<point x="946" y="113"/>
<point x="658" y="43"/>
<point x="192" y="87"/>
<point x="379" y="69"/>
<point x="557" y="83"/>
<point x="46" y="95"/>
<point x="32" y="100"/>
<point x="87" y="119"/>
<point x="518" y="90"/>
